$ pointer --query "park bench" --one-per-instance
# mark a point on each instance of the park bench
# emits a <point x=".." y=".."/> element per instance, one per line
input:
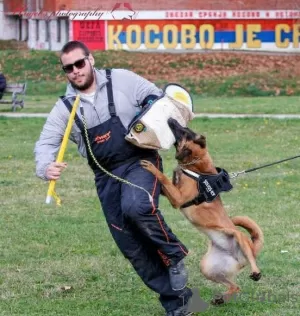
<point x="14" y="94"/>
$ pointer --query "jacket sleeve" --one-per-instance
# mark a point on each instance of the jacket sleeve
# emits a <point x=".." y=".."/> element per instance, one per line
<point x="141" y="88"/>
<point x="46" y="148"/>
<point x="144" y="89"/>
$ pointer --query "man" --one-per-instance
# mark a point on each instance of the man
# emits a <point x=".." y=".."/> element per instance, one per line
<point x="109" y="102"/>
<point x="2" y="84"/>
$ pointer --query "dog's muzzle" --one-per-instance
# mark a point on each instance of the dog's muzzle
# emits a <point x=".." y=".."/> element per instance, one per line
<point x="177" y="130"/>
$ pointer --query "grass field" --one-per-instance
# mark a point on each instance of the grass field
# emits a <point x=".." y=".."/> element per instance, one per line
<point x="242" y="105"/>
<point x="62" y="260"/>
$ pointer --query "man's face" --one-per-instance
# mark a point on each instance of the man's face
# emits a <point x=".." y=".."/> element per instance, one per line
<point x="80" y="75"/>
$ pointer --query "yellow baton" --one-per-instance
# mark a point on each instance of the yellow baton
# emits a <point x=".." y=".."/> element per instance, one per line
<point x="51" y="190"/>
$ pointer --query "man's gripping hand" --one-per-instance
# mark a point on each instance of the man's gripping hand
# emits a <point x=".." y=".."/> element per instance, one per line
<point x="54" y="170"/>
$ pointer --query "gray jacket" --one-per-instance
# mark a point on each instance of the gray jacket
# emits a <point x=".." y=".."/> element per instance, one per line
<point x="129" y="90"/>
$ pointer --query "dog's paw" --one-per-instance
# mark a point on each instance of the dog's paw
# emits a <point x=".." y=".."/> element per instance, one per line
<point x="218" y="300"/>
<point x="145" y="163"/>
<point x="255" y="276"/>
<point x="148" y="165"/>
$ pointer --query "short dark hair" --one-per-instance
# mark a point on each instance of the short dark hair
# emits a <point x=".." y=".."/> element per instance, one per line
<point x="70" y="46"/>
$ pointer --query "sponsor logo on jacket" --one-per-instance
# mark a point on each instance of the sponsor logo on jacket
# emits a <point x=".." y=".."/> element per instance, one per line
<point x="103" y="138"/>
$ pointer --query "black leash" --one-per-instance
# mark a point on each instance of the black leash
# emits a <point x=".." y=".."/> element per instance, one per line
<point x="236" y="174"/>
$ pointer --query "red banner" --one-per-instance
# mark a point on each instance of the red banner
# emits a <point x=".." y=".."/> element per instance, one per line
<point x="92" y="33"/>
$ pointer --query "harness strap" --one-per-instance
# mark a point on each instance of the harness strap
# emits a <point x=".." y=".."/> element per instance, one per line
<point x="209" y="185"/>
<point x="196" y="201"/>
<point x="191" y="174"/>
<point x="110" y="96"/>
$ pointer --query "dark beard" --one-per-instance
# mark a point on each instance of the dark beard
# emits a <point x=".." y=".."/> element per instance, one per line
<point x="89" y="82"/>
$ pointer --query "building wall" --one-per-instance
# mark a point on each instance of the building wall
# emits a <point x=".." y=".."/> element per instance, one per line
<point x="52" y="42"/>
<point x="9" y="5"/>
<point x="8" y="25"/>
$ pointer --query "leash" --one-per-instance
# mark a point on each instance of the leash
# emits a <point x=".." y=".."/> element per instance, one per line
<point x="99" y="166"/>
<point x="236" y="174"/>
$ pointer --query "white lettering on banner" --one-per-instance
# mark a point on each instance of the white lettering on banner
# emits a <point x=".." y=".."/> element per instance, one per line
<point x="246" y="14"/>
<point x="179" y="14"/>
<point x="212" y="14"/>
<point x="226" y="14"/>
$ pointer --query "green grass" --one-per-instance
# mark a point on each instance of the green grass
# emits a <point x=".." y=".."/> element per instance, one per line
<point x="248" y="105"/>
<point x="45" y="248"/>
<point x="258" y="105"/>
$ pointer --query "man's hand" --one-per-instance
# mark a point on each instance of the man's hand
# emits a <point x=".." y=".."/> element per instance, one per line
<point x="55" y="169"/>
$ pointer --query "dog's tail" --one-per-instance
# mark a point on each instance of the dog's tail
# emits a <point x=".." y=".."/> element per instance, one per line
<point x="254" y="230"/>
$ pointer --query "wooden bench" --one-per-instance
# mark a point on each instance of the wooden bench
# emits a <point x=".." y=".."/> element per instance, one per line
<point x="14" y="94"/>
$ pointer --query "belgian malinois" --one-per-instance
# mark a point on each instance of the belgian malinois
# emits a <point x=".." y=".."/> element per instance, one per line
<point x="229" y="249"/>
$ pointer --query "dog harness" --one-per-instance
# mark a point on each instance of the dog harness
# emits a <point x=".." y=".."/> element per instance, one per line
<point x="209" y="185"/>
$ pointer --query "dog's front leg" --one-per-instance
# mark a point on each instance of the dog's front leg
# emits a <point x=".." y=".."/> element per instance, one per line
<point x="173" y="194"/>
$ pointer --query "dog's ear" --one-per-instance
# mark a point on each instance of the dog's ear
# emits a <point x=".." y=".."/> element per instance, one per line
<point x="201" y="141"/>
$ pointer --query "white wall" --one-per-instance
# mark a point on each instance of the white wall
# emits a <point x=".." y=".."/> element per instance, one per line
<point x="8" y="25"/>
<point x="52" y="43"/>
<point x="9" y="29"/>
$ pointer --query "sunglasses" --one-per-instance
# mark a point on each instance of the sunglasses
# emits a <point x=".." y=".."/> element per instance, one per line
<point x="79" y="64"/>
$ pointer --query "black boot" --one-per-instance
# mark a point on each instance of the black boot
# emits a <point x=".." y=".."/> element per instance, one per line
<point x="180" y="311"/>
<point x="178" y="276"/>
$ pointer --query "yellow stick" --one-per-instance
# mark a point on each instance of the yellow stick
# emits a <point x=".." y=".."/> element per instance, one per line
<point x="51" y="190"/>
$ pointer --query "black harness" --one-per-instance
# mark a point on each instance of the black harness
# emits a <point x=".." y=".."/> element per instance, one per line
<point x="209" y="186"/>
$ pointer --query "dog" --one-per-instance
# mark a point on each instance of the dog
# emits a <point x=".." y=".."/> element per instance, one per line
<point x="230" y="249"/>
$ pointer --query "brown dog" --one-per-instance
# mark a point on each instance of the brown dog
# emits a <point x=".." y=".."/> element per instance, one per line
<point x="230" y="249"/>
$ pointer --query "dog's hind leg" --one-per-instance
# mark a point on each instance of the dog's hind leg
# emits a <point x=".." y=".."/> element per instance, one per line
<point x="232" y="290"/>
<point x="245" y="245"/>
<point x="220" y="267"/>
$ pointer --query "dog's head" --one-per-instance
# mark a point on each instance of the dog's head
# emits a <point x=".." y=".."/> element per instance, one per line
<point x="189" y="145"/>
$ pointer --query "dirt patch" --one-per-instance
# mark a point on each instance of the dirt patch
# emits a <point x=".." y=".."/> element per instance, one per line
<point x="231" y="71"/>
<point x="204" y="65"/>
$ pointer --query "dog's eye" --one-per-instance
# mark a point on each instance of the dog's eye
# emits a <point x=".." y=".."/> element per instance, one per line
<point x="185" y="152"/>
<point x="185" y="148"/>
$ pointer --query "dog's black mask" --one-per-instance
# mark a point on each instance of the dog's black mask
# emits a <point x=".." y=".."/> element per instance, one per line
<point x="180" y="132"/>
